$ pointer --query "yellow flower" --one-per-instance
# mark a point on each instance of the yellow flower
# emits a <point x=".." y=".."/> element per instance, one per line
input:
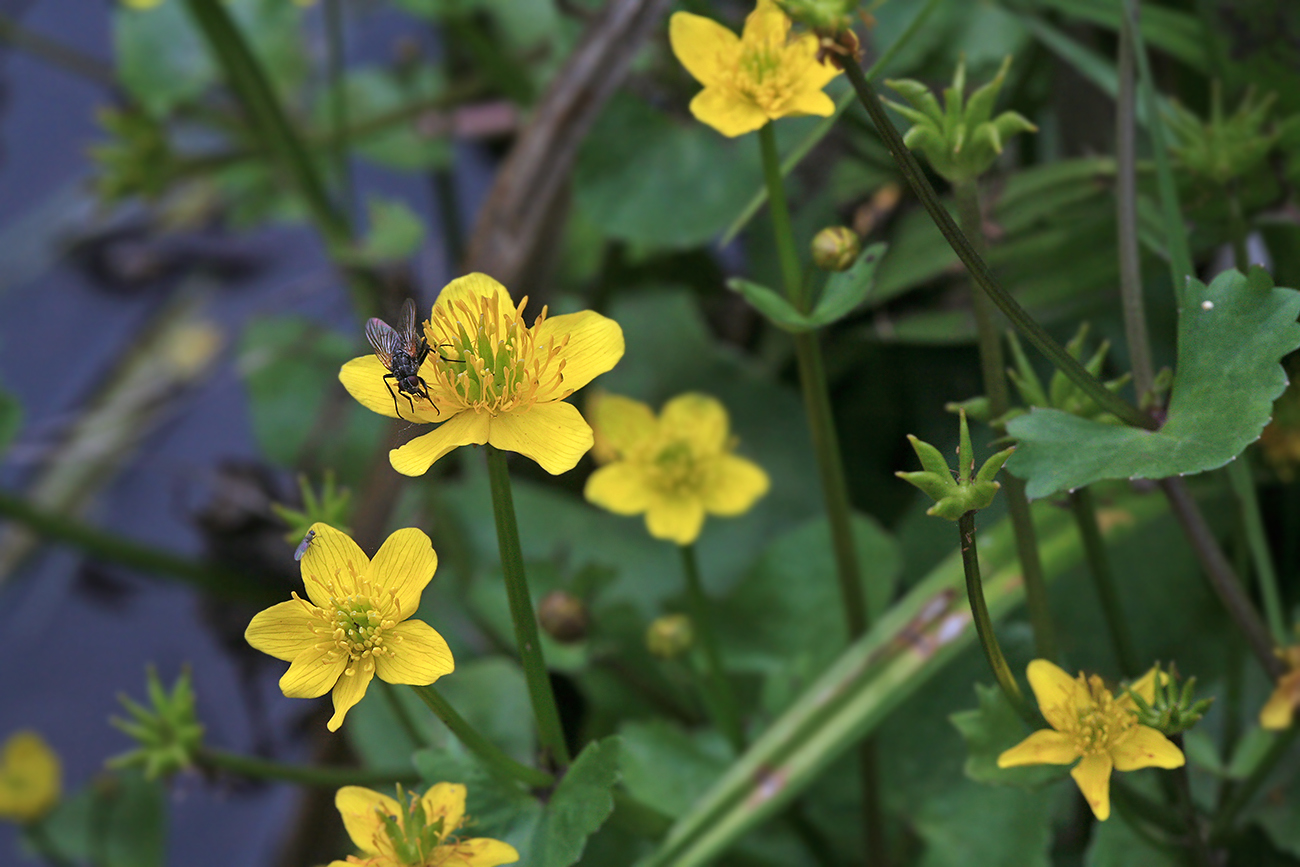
<point x="750" y="79"/>
<point x="493" y="379"/>
<point x="353" y="623"/>
<point x="420" y="833"/>
<point x="1279" y="711"/>
<point x="29" y="777"/>
<point x="674" y="468"/>
<point x="1090" y="724"/>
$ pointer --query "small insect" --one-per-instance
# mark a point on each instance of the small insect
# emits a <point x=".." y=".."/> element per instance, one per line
<point x="402" y="350"/>
<point x="304" y="545"/>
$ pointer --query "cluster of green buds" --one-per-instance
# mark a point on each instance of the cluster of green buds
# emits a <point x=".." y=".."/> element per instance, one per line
<point x="961" y="139"/>
<point x="1173" y="711"/>
<point x="136" y="160"/>
<point x="331" y="507"/>
<point x="168" y="733"/>
<point x="414" y="837"/>
<point x="1224" y="147"/>
<point x="670" y="636"/>
<point x="969" y="491"/>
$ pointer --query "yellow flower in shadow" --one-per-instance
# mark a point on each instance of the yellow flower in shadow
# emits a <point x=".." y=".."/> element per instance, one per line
<point x="29" y="777"/>
<point x="1088" y="723"/>
<point x="418" y="833"/>
<point x="354" y="622"/>
<point x="675" y="468"/>
<point x="492" y="379"/>
<point x="1279" y="711"/>
<point x="750" y="79"/>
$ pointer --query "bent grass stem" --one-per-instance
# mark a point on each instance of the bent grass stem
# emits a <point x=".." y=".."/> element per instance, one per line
<point x="307" y="775"/>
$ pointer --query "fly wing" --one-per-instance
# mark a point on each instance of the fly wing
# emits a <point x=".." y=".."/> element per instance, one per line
<point x="411" y="338"/>
<point x="382" y="339"/>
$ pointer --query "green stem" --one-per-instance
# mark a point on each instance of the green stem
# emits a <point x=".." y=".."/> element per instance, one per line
<point x="56" y="53"/>
<point x="1243" y="794"/>
<point x="830" y="469"/>
<point x="1240" y="231"/>
<point x="993" y="366"/>
<point x="226" y="583"/>
<point x="307" y="775"/>
<point x="248" y="80"/>
<point x="1243" y="487"/>
<point x="1136" y="335"/>
<point x="335" y="61"/>
<point x="979" y="610"/>
<point x="549" y="732"/>
<point x="489" y="752"/>
<point x="1103" y="579"/>
<point x="1139" y="805"/>
<point x="1195" y="835"/>
<point x="979" y="269"/>
<point x="404" y="719"/>
<point x="718" y="695"/>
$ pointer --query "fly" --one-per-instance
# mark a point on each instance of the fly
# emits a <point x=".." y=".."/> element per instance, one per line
<point x="304" y="545"/>
<point x="402" y="350"/>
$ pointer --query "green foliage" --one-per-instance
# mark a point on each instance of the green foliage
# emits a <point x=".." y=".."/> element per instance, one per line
<point x="990" y="730"/>
<point x="973" y="824"/>
<point x="384" y="111"/>
<point x="396" y="233"/>
<point x="1231" y="336"/>
<point x="11" y="418"/>
<point x="117" y="820"/>
<point x="1116" y="844"/>
<point x="844" y="291"/>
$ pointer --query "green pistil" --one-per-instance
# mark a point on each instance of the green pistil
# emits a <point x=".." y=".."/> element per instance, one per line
<point x="358" y="626"/>
<point x="676" y="465"/>
<point x="414" y="837"/>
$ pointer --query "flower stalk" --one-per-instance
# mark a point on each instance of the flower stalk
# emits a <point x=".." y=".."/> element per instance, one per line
<point x="549" y="732"/>
<point x="489" y="752"/>
<point x="1103" y="579"/>
<point x="718" y="696"/>
<point x="306" y="775"/>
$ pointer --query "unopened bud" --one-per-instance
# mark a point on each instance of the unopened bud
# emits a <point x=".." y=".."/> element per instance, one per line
<point x="670" y="636"/>
<point x="836" y="248"/>
<point x="563" y="616"/>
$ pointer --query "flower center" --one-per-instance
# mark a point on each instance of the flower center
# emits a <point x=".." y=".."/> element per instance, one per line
<point x="354" y="626"/>
<point x="1102" y="721"/>
<point x="675" y="469"/>
<point x="494" y="363"/>
<point x="763" y="76"/>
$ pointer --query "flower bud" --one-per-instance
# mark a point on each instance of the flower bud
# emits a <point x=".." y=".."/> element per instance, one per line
<point x="670" y="636"/>
<point x="167" y="731"/>
<point x="830" y="15"/>
<point x="563" y="616"/>
<point x="836" y="248"/>
<point x="1174" y="707"/>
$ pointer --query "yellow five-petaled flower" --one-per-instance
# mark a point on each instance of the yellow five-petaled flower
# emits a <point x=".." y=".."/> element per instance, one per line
<point x="1089" y="724"/>
<point x="493" y="379"/>
<point x="354" y="622"/>
<point x="30" y="774"/>
<point x="421" y="833"/>
<point x="674" y="468"/>
<point x="750" y="79"/>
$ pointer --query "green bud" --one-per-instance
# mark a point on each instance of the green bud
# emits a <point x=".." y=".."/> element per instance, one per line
<point x="1175" y="708"/>
<point x="563" y="616"/>
<point x="961" y="138"/>
<point x="1223" y="148"/>
<point x="136" y="160"/>
<point x="670" y="636"/>
<point x="331" y="507"/>
<point x="836" y="248"/>
<point x="168" y="732"/>
<point x="825" y="15"/>
<point x="970" y="491"/>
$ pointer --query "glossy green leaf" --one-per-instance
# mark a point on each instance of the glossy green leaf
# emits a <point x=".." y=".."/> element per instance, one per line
<point x="1231" y="336"/>
<point x="843" y="293"/>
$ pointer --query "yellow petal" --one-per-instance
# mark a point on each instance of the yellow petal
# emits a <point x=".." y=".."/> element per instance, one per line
<point x="677" y="520"/>
<point x="1279" y="711"/>
<point x="726" y="112"/>
<point x="357" y="806"/>
<point x="1144" y="686"/>
<point x="469" y="290"/>
<point x="420" y="655"/>
<point x="815" y="74"/>
<point x="766" y="24"/>
<point x="415" y="458"/>
<point x="405" y="564"/>
<point x="349" y="690"/>
<point x="445" y="801"/>
<point x="284" y="630"/>
<point x="1043" y="747"/>
<point x="734" y="485"/>
<point x="1058" y="694"/>
<point x="1144" y="747"/>
<point x="620" y="424"/>
<point x="706" y="48"/>
<point x="483" y="852"/>
<point x="553" y="434"/>
<point x="595" y="344"/>
<point x="1093" y="777"/>
<point x="698" y="419"/>
<point x="310" y="675"/>
<point x="620" y="488"/>
<point x="813" y="102"/>
<point x="364" y="379"/>
<point x="331" y="560"/>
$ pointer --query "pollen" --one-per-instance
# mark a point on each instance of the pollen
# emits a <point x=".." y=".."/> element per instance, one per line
<point x="492" y="362"/>
<point x="353" y="626"/>
<point x="766" y="77"/>
<point x="676" y="470"/>
<point x="1101" y="723"/>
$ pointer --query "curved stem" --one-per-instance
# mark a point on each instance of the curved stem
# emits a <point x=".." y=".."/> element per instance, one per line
<point x="477" y="743"/>
<point x="979" y="610"/>
<point x="1136" y="335"/>
<point x="307" y="775"/>
<point x="718" y="696"/>
<point x="993" y="366"/>
<point x="1103" y="579"/>
<point x="549" y="732"/>
<point x="979" y="270"/>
